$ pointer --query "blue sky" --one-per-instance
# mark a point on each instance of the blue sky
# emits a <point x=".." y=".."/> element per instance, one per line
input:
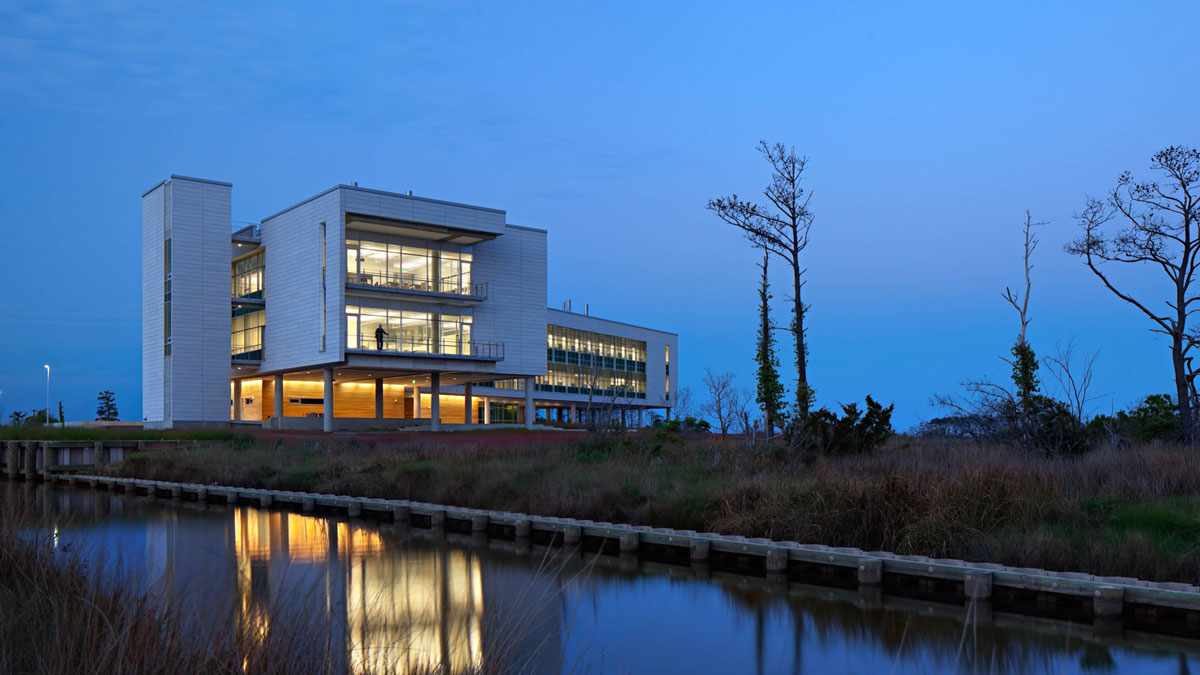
<point x="930" y="129"/>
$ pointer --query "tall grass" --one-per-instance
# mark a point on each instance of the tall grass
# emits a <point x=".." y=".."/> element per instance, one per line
<point x="1114" y="511"/>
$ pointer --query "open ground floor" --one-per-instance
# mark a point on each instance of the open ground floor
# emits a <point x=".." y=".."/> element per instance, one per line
<point x="335" y="399"/>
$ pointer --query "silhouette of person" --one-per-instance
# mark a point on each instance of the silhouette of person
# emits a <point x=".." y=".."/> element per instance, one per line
<point x="379" y="335"/>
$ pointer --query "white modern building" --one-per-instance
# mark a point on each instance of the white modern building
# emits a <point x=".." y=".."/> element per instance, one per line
<point x="360" y="309"/>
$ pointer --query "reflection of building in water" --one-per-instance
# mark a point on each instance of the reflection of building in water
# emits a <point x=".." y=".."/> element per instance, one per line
<point x="394" y="610"/>
<point x="364" y="601"/>
<point x="415" y="612"/>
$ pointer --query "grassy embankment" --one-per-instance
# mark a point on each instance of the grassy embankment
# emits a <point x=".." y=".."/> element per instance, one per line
<point x="57" y="433"/>
<point x="1114" y="511"/>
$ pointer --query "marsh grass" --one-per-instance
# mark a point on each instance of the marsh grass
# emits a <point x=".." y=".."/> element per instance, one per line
<point x="1132" y="511"/>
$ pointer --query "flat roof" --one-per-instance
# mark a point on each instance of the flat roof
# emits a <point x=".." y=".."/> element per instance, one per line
<point x="191" y="178"/>
<point x="522" y="227"/>
<point x="381" y="192"/>
<point x="620" y="323"/>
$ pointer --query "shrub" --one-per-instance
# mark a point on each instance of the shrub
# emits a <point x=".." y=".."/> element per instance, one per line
<point x="1157" y="418"/>
<point x="854" y="432"/>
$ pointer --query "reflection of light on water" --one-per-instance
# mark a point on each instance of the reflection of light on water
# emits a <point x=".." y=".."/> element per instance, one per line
<point x="308" y="538"/>
<point x="416" y="613"/>
<point x="410" y="611"/>
<point x="54" y="538"/>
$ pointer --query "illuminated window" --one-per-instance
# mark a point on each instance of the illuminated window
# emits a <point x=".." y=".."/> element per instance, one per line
<point x="407" y="331"/>
<point x="248" y="276"/>
<point x="246" y="333"/>
<point x="582" y="362"/>
<point x="373" y="262"/>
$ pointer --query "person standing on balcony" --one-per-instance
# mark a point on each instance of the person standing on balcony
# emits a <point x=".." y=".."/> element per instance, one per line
<point x="380" y="333"/>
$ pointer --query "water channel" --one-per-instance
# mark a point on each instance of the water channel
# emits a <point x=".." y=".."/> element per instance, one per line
<point x="403" y="598"/>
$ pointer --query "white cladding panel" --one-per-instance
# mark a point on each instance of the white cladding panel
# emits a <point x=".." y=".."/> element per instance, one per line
<point x="657" y="344"/>
<point x="198" y="368"/>
<point x="292" y="284"/>
<point x="514" y="267"/>
<point x="153" y="225"/>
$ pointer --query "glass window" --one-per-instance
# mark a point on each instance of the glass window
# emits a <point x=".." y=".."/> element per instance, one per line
<point x="407" y="267"/>
<point x="605" y="365"/>
<point x="416" y="331"/>
<point x="248" y="276"/>
<point x="352" y="262"/>
<point x="372" y="262"/>
<point x="415" y="267"/>
<point x="371" y="320"/>
<point x="353" y="339"/>
<point x="246" y="333"/>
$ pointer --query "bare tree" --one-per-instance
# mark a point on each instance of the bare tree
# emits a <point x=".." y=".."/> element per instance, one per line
<point x="1074" y="377"/>
<point x="781" y="228"/>
<point x="722" y="395"/>
<point x="741" y="406"/>
<point x="1158" y="224"/>
<point x="1018" y="301"/>
<point x="601" y="413"/>
<point x="684" y="403"/>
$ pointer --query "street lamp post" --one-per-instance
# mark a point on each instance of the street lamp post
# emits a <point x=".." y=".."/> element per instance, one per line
<point x="47" y="395"/>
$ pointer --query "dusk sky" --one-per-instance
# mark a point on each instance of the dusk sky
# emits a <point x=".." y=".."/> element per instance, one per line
<point x="929" y="131"/>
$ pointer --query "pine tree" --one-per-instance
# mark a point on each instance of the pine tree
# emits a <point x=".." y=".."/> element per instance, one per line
<point x="106" y="406"/>
<point x="769" y="392"/>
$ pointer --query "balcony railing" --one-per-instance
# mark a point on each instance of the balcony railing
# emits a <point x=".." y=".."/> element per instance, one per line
<point x="483" y="350"/>
<point x="452" y="285"/>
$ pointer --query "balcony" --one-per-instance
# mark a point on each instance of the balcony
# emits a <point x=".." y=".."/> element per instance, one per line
<point x="486" y="351"/>
<point x="452" y="286"/>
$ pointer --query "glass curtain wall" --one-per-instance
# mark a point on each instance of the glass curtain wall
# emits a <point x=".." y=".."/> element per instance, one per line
<point x="413" y="268"/>
<point x="246" y="333"/>
<point x="407" y="331"/>
<point x="582" y="362"/>
<point x="248" y="276"/>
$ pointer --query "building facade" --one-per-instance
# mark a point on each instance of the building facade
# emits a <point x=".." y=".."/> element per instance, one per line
<point x="364" y="309"/>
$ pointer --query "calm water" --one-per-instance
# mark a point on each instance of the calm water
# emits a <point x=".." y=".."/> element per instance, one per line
<point x="383" y="595"/>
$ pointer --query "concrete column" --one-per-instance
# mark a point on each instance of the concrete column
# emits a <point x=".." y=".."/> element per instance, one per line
<point x="487" y="410"/>
<point x="870" y="572"/>
<point x="97" y="453"/>
<point x="237" y="400"/>
<point x="30" y="460"/>
<point x="327" y="404"/>
<point x="977" y="585"/>
<point x="530" y="412"/>
<point x="12" y="458"/>
<point x="279" y="401"/>
<point x="1108" y="602"/>
<point x="379" y="398"/>
<point x="49" y="458"/>
<point x="468" y="413"/>
<point x="574" y="419"/>
<point x="640" y="422"/>
<point x="435" y="404"/>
